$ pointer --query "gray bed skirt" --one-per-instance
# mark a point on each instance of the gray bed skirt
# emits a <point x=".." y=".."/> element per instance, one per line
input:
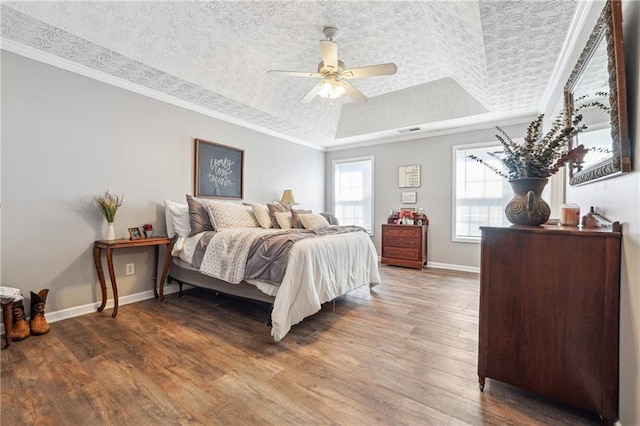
<point x="183" y="273"/>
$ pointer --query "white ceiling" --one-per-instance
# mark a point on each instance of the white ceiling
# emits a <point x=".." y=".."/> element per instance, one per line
<point x="459" y="61"/>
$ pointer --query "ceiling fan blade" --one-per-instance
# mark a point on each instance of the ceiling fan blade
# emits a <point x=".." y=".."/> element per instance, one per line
<point x="329" y="53"/>
<point x="295" y="73"/>
<point x="355" y="95"/>
<point x="370" y="71"/>
<point x="312" y="93"/>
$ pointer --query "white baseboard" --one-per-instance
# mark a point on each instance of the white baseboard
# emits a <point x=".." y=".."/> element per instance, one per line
<point x="76" y="311"/>
<point x="461" y="268"/>
<point x="449" y="266"/>
<point x="437" y="265"/>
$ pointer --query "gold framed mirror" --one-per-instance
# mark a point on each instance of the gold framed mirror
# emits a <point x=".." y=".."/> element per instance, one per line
<point x="599" y="76"/>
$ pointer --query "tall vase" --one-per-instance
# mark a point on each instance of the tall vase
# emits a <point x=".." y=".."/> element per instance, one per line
<point x="111" y="232"/>
<point x="527" y="206"/>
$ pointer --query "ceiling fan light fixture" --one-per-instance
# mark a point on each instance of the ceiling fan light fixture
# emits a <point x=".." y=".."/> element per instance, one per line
<point x="334" y="74"/>
<point x="337" y="92"/>
<point x="331" y="90"/>
<point x="326" y="89"/>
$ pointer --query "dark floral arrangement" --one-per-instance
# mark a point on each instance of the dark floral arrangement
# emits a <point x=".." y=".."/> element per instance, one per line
<point x="541" y="156"/>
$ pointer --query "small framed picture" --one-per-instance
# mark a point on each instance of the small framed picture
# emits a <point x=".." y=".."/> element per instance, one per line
<point x="135" y="233"/>
<point x="409" y="197"/>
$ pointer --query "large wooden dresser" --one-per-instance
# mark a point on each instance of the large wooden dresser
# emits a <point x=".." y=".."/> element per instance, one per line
<point x="549" y="313"/>
<point x="404" y="245"/>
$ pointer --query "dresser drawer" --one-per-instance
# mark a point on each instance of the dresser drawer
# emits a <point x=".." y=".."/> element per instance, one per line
<point x="402" y="253"/>
<point x="392" y="241"/>
<point x="402" y="231"/>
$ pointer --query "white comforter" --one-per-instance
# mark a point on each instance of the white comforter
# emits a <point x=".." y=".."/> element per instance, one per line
<point x="318" y="270"/>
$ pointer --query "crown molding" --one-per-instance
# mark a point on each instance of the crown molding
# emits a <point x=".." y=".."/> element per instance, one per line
<point x="488" y="122"/>
<point x="58" y="62"/>
<point x="584" y="9"/>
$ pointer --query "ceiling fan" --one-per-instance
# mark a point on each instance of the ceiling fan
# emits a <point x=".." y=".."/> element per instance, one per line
<point x="333" y="73"/>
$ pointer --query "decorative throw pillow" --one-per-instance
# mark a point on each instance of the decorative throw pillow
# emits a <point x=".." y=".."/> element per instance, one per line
<point x="295" y="221"/>
<point x="177" y="217"/>
<point x="313" y="221"/>
<point x="199" y="220"/>
<point x="261" y="212"/>
<point x="274" y="208"/>
<point x="331" y="218"/>
<point x="231" y="215"/>
<point x="284" y="220"/>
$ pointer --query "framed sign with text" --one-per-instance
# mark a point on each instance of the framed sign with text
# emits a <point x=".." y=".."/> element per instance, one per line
<point x="409" y="176"/>
<point x="409" y="197"/>
<point x="218" y="170"/>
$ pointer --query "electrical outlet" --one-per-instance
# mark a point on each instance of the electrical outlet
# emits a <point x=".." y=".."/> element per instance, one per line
<point x="131" y="269"/>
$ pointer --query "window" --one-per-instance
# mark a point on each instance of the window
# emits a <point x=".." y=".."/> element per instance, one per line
<point x="353" y="192"/>
<point x="480" y="195"/>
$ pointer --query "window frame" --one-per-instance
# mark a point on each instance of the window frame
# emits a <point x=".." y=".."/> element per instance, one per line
<point x="454" y="177"/>
<point x="333" y="184"/>
<point x="553" y="193"/>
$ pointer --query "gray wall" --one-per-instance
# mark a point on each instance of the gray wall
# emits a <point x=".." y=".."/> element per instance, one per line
<point x="67" y="138"/>
<point x="435" y="195"/>
<point x="618" y="199"/>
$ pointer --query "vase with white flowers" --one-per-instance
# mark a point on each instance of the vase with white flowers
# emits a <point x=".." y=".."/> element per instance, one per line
<point x="529" y="164"/>
<point x="109" y="204"/>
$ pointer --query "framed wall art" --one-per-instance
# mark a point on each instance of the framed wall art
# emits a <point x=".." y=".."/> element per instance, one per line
<point x="409" y="176"/>
<point x="409" y="197"/>
<point x="218" y="170"/>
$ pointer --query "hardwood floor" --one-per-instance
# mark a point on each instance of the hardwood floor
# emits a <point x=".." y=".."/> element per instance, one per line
<point x="403" y="353"/>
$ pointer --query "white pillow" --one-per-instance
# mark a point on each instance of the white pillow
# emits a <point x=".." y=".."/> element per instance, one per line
<point x="313" y="221"/>
<point x="231" y="215"/>
<point x="261" y="212"/>
<point x="284" y="220"/>
<point x="177" y="217"/>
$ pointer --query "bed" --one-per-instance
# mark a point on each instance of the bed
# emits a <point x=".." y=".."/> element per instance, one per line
<point x="295" y="269"/>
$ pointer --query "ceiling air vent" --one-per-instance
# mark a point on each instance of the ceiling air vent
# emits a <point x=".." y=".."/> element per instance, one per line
<point x="410" y="129"/>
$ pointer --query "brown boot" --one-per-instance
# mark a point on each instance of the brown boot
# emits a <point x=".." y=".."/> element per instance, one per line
<point x="39" y="323"/>
<point x="20" y="325"/>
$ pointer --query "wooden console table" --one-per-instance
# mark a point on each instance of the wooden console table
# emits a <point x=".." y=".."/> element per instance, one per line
<point x="110" y="246"/>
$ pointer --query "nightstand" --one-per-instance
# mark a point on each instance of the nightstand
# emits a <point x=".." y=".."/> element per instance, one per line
<point x="110" y="246"/>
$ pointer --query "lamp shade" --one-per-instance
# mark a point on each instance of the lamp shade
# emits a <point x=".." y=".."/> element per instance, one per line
<point x="287" y="198"/>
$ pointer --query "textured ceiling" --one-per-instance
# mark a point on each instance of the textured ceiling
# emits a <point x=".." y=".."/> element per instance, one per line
<point x="458" y="61"/>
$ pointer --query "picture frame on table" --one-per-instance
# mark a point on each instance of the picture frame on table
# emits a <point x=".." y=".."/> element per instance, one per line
<point x="218" y="170"/>
<point x="135" y="233"/>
